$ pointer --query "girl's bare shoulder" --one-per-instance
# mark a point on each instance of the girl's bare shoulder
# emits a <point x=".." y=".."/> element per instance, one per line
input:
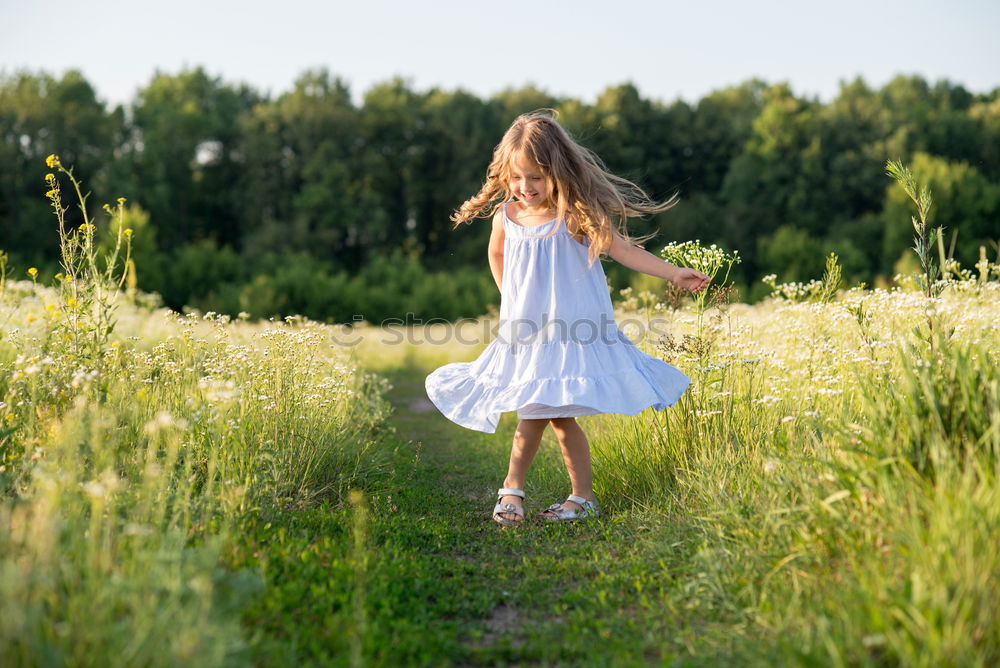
<point x="498" y="233"/>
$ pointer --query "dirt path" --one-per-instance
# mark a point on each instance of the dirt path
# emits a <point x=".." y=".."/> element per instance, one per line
<point x="469" y="592"/>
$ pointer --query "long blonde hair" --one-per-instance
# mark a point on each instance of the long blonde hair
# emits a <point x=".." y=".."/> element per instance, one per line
<point x="591" y="200"/>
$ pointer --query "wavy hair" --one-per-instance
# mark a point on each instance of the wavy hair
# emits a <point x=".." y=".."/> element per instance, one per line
<point x="591" y="200"/>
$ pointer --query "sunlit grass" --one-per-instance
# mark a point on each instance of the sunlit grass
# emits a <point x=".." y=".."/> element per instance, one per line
<point x="825" y="493"/>
<point x="840" y="469"/>
<point x="122" y="487"/>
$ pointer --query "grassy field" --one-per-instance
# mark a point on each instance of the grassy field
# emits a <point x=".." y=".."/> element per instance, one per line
<point x="201" y="490"/>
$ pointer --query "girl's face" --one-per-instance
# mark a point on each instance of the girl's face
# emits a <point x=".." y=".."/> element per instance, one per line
<point x="528" y="184"/>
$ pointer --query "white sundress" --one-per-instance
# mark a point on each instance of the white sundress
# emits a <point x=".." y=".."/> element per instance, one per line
<point x="558" y="351"/>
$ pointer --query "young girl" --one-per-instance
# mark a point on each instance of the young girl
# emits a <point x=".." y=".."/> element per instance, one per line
<point x="558" y="354"/>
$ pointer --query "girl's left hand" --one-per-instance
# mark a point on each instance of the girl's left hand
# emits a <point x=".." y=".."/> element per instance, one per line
<point x="691" y="279"/>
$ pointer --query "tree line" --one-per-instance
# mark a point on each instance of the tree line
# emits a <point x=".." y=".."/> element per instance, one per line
<point x="312" y="203"/>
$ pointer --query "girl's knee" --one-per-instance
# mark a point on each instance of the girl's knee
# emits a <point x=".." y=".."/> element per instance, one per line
<point x="531" y="426"/>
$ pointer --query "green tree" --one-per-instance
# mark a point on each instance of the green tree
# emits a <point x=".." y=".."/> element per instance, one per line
<point x="515" y="101"/>
<point x="182" y="153"/>
<point x="714" y="132"/>
<point x="792" y="253"/>
<point x="985" y="115"/>
<point x="41" y="115"/>
<point x="302" y="158"/>
<point x="965" y="202"/>
<point x="764" y="187"/>
<point x="457" y="132"/>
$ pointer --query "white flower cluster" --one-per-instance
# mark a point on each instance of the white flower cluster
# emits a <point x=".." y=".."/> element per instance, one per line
<point x="793" y="291"/>
<point x="217" y="391"/>
<point x="706" y="259"/>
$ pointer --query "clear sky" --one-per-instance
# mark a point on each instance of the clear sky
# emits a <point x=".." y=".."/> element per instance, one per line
<point x="668" y="49"/>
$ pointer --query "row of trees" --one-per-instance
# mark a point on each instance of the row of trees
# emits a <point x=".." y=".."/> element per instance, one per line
<point x="229" y="188"/>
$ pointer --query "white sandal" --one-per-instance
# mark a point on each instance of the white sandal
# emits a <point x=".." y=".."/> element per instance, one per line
<point x="508" y="507"/>
<point x="561" y="514"/>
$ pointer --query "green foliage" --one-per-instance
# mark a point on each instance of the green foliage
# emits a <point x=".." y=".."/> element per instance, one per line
<point x="965" y="203"/>
<point x="821" y="291"/>
<point x="120" y="497"/>
<point x="199" y="269"/>
<point x="943" y="412"/>
<point x="831" y="280"/>
<point x="285" y="284"/>
<point x="788" y="510"/>
<point x="924" y="238"/>
<point x="88" y="291"/>
<point x="128" y="457"/>
<point x="219" y="165"/>
<point x="42" y="115"/>
<point x="793" y="252"/>
<point x="186" y="167"/>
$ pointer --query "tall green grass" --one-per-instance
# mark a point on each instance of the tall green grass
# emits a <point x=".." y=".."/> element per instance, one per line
<point x="837" y="477"/>
<point x="134" y="441"/>
<point x="120" y="493"/>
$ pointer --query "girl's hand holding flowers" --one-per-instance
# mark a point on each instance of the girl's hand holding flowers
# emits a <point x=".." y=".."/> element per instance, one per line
<point x="691" y="280"/>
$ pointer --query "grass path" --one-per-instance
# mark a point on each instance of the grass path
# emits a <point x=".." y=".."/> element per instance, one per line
<point x="444" y="585"/>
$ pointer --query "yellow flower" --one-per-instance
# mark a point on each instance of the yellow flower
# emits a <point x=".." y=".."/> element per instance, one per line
<point x="121" y="200"/>
<point x="107" y="207"/>
<point x="10" y="417"/>
<point x="52" y="160"/>
<point x="30" y="318"/>
<point x="50" y="307"/>
<point x="52" y="194"/>
<point x="50" y="177"/>
<point x="32" y="272"/>
<point x="71" y="302"/>
<point x="128" y="232"/>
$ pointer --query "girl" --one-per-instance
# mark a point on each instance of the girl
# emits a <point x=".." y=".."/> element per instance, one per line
<point x="558" y="354"/>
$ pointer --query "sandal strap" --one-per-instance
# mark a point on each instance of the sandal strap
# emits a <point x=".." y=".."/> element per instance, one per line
<point x="508" y="508"/>
<point x="560" y="512"/>
<point x="503" y="491"/>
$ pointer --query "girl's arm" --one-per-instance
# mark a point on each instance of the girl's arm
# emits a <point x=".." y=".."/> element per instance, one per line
<point x="643" y="261"/>
<point x="495" y="250"/>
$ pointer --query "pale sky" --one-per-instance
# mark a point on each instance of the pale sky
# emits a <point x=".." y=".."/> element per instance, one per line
<point x="573" y="48"/>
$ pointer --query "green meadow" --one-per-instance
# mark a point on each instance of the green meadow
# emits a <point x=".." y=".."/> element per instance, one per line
<point x="203" y="489"/>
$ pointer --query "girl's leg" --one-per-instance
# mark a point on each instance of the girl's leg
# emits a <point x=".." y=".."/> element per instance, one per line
<point x="527" y="438"/>
<point x="576" y="454"/>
